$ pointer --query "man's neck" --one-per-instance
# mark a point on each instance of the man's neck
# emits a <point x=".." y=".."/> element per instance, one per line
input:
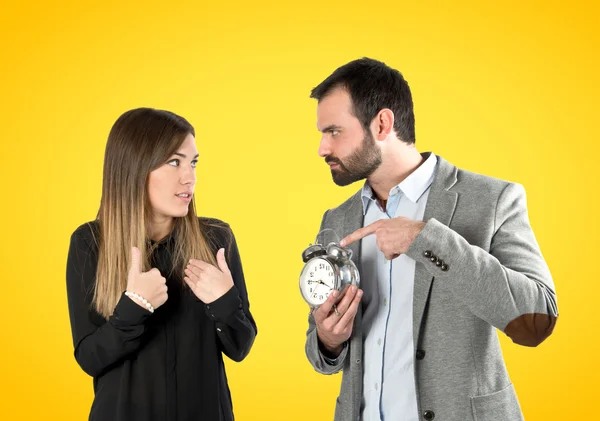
<point x="393" y="170"/>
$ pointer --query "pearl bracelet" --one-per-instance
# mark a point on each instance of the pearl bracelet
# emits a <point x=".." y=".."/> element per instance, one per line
<point x="140" y="299"/>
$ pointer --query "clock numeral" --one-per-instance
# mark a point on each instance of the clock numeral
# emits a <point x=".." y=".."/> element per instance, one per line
<point x="311" y="274"/>
<point x="320" y="297"/>
<point x="330" y="273"/>
<point x="311" y="290"/>
<point x="321" y="266"/>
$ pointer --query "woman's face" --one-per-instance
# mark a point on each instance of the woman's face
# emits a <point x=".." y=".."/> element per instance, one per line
<point x="170" y="187"/>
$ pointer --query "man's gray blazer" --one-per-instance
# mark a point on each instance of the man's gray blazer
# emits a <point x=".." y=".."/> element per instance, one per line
<point x="478" y="269"/>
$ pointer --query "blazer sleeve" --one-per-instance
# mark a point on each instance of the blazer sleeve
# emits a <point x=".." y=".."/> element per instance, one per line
<point x="510" y="286"/>
<point x="99" y="343"/>
<point x="312" y="347"/>
<point x="236" y="328"/>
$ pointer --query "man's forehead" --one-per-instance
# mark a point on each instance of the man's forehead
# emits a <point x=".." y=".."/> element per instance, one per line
<point x="333" y="108"/>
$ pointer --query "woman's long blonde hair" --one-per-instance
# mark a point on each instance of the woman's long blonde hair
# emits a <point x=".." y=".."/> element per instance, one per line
<point x="140" y="141"/>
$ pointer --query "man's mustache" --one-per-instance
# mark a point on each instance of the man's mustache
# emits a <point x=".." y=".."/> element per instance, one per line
<point x="329" y="159"/>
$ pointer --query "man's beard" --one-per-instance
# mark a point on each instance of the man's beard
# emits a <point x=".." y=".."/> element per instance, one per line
<point x="359" y="165"/>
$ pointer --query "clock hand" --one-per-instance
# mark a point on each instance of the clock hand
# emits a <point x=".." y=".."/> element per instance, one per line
<point x="323" y="283"/>
<point x="327" y="285"/>
<point x="315" y="291"/>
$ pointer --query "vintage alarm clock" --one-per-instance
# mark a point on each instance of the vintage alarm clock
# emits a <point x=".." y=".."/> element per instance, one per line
<point x="326" y="268"/>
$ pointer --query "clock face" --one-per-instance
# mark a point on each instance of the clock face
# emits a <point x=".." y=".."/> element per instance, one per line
<point x="317" y="281"/>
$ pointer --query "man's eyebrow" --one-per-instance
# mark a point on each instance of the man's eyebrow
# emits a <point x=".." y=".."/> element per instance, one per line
<point x="330" y="128"/>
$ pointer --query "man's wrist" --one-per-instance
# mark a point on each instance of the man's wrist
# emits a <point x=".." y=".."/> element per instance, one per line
<point x="334" y="360"/>
<point x="330" y="352"/>
<point x="418" y="227"/>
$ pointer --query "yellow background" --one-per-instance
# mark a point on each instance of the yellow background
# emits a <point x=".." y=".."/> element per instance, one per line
<point x="508" y="90"/>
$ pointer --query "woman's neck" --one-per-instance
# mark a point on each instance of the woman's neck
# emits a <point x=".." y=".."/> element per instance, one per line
<point x="160" y="228"/>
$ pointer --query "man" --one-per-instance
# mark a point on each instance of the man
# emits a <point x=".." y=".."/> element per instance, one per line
<point x="446" y="257"/>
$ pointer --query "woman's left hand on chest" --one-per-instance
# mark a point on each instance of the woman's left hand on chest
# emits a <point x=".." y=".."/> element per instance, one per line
<point x="209" y="282"/>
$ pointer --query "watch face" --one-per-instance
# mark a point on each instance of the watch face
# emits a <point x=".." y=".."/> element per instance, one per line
<point x="317" y="281"/>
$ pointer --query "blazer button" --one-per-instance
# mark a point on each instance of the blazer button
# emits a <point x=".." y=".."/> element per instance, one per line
<point x="429" y="415"/>
<point x="420" y="354"/>
<point x="433" y="259"/>
<point x="428" y="253"/>
<point x="439" y="262"/>
<point x="445" y="267"/>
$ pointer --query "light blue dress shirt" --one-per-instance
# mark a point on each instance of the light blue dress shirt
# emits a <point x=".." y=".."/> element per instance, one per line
<point x="389" y="391"/>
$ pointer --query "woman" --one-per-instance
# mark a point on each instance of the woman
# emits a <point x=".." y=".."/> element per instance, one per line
<point x="156" y="294"/>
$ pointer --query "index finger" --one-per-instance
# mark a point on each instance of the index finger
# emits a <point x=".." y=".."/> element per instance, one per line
<point x="360" y="233"/>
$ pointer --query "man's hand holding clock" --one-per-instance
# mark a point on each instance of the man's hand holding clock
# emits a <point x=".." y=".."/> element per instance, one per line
<point x="334" y="319"/>
<point x="329" y="284"/>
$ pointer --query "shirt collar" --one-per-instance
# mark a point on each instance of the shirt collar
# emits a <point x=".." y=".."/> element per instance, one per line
<point x="412" y="186"/>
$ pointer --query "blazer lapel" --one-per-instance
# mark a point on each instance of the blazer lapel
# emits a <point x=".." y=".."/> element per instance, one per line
<point x="441" y="204"/>
<point x="353" y="220"/>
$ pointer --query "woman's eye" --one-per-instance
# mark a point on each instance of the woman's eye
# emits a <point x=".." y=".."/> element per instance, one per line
<point x="335" y="132"/>
<point x="194" y="163"/>
<point x="173" y="162"/>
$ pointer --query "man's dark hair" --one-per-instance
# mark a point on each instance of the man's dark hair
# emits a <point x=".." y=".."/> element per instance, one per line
<point x="373" y="86"/>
